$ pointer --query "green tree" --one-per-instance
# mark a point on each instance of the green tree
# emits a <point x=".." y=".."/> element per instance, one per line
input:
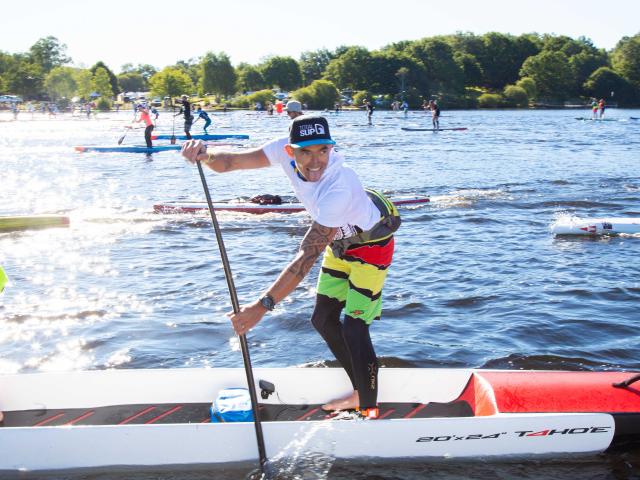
<point x="23" y="77"/>
<point x="528" y="84"/>
<point x="218" y="75"/>
<point x="442" y="71"/>
<point x="249" y="78"/>
<point x="101" y="83"/>
<point x="283" y="72"/>
<point x="132" y="82"/>
<point x="470" y="67"/>
<point x="84" y="83"/>
<point x="515" y="96"/>
<point x="625" y="59"/>
<point x="393" y="72"/>
<point x="583" y="64"/>
<point x="503" y="56"/>
<point x="319" y="95"/>
<point x="551" y="72"/>
<point x="144" y="69"/>
<point x="314" y="63"/>
<point x="48" y="53"/>
<point x="605" y="82"/>
<point x="351" y="69"/>
<point x="192" y="68"/>
<point x="60" y="83"/>
<point x="490" y="100"/>
<point x="170" y="82"/>
<point x="113" y="80"/>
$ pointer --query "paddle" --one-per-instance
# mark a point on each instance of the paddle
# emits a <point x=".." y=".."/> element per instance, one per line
<point x="121" y="139"/>
<point x="244" y="346"/>
<point x="173" y="127"/>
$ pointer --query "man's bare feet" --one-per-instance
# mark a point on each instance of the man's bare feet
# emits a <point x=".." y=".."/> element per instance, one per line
<point x="349" y="402"/>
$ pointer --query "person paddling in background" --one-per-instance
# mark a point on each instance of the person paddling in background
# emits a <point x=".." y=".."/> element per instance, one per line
<point x="405" y="108"/>
<point x="201" y="114"/>
<point x="435" y="114"/>
<point x="369" y="108"/>
<point x="145" y="116"/>
<point x="353" y="229"/>
<point x="185" y="110"/>
<point x="601" y="108"/>
<point x="594" y="109"/>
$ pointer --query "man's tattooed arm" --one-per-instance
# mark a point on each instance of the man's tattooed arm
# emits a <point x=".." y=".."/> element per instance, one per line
<point x="313" y="244"/>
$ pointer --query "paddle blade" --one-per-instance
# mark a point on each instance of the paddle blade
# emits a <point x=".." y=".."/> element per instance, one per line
<point x="121" y="139"/>
<point x="173" y="139"/>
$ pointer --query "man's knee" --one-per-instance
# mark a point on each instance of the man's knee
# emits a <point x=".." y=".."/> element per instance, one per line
<point x="327" y="310"/>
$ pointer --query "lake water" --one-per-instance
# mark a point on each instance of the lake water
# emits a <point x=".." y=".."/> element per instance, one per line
<point x="478" y="279"/>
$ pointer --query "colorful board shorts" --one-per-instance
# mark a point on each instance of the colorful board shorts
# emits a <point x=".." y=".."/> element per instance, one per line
<point x="356" y="280"/>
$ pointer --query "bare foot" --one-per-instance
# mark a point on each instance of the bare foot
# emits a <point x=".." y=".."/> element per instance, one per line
<point x="347" y="403"/>
<point x="1" y="416"/>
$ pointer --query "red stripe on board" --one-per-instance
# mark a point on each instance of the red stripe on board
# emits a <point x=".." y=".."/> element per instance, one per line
<point x="386" y="414"/>
<point x="136" y="415"/>
<point x="81" y="417"/>
<point x="50" y="419"/>
<point x="415" y="410"/>
<point x="308" y="414"/>
<point x="168" y="412"/>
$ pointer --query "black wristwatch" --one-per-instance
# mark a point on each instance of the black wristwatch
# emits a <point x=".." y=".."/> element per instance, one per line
<point x="268" y="302"/>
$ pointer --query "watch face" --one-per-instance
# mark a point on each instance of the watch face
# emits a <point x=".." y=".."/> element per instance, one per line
<point x="267" y="302"/>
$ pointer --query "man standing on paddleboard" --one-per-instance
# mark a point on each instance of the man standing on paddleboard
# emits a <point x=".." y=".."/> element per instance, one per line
<point x="185" y="110"/>
<point x="353" y="229"/>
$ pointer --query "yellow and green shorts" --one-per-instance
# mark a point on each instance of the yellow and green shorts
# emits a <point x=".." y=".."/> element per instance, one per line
<point x="356" y="279"/>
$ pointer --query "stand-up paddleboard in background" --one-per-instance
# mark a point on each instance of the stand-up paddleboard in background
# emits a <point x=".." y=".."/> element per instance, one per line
<point x="597" y="119"/>
<point x="32" y="222"/>
<point x="211" y="136"/>
<point x="410" y="129"/>
<point x="595" y="226"/>
<point x="256" y="208"/>
<point x="634" y="118"/>
<point x="127" y="149"/>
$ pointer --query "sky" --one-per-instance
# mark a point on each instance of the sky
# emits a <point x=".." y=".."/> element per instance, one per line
<point x="161" y="32"/>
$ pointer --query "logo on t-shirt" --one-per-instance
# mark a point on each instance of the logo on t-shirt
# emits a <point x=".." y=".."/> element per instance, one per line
<point x="307" y="130"/>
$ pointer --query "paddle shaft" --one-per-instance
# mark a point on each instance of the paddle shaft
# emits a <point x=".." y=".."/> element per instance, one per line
<point x="173" y="126"/>
<point x="244" y="346"/>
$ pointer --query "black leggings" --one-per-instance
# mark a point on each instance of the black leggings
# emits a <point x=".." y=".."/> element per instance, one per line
<point x="350" y="343"/>
<point x="147" y="136"/>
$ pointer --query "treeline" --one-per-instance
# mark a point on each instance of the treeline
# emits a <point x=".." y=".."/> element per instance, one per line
<point x="463" y="70"/>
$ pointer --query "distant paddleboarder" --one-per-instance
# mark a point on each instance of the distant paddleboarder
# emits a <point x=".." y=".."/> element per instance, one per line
<point x="185" y="110"/>
<point x="594" y="109"/>
<point x="435" y="114"/>
<point x="369" y="109"/>
<point x="201" y="114"/>
<point x="405" y="107"/>
<point x="145" y="117"/>
<point x="601" y="107"/>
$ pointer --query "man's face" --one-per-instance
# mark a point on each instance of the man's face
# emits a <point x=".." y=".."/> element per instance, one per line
<point x="312" y="160"/>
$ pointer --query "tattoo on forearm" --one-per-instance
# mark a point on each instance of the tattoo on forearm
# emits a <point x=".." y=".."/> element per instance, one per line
<point x="225" y="162"/>
<point x="313" y="244"/>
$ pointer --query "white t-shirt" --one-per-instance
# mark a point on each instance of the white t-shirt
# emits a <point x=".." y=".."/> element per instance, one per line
<point x="336" y="200"/>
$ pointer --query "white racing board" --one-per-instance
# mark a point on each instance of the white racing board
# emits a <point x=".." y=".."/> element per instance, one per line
<point x="161" y="417"/>
<point x="596" y="226"/>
